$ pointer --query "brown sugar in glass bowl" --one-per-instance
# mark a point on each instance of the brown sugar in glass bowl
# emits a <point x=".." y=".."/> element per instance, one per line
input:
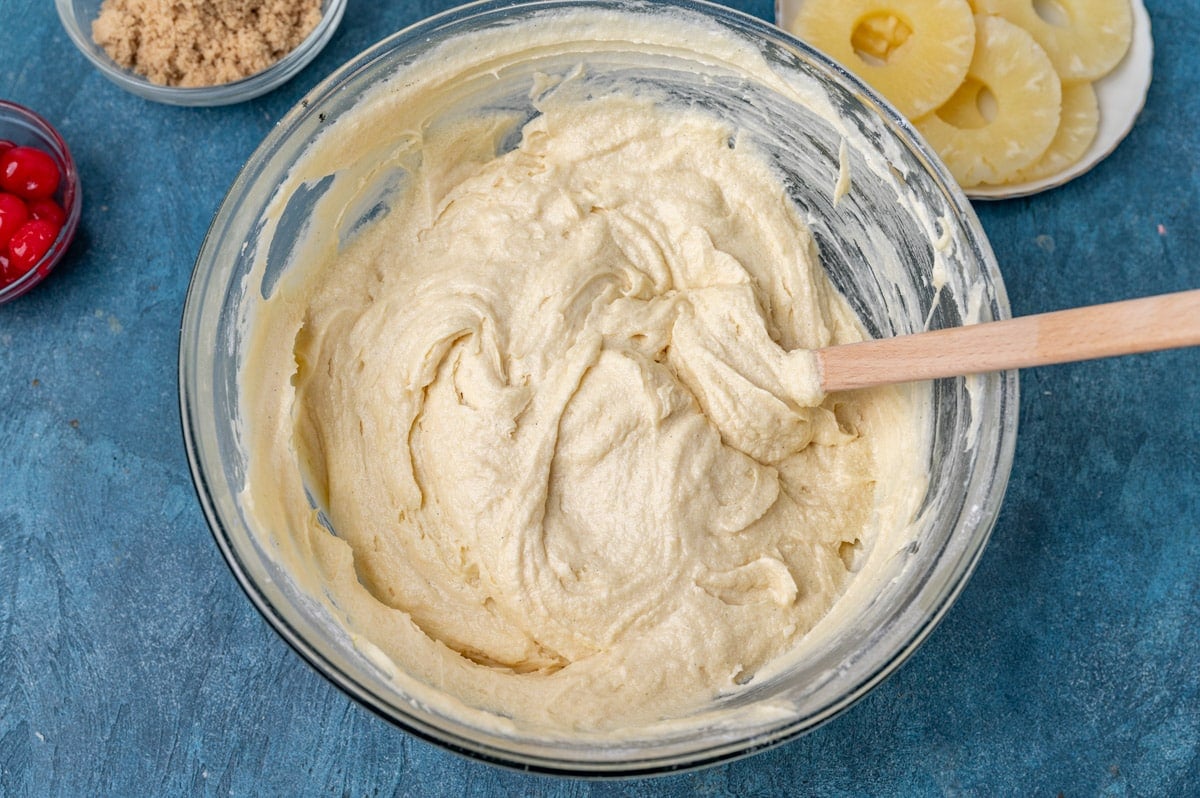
<point x="202" y="42"/>
<point x="200" y="52"/>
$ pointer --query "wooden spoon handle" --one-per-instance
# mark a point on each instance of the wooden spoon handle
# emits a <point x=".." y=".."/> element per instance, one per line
<point x="1117" y="328"/>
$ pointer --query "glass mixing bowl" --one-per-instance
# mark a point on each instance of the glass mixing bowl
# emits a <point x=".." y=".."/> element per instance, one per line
<point x="898" y="239"/>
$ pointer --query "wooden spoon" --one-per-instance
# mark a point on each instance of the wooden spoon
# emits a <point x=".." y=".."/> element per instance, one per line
<point x="1117" y="328"/>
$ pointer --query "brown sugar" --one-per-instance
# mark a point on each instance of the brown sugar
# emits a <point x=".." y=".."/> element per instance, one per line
<point x="191" y="43"/>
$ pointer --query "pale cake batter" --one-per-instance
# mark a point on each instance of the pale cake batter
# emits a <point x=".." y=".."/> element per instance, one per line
<point x="558" y="407"/>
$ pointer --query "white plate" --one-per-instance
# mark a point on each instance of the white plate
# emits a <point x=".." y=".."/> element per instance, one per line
<point x="1121" y="95"/>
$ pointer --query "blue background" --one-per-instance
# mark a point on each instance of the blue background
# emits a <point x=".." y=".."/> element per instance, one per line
<point x="132" y="664"/>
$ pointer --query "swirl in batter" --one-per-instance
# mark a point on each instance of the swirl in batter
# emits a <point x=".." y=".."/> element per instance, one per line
<point x="559" y="409"/>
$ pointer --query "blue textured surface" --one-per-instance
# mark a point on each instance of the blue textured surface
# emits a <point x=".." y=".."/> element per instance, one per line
<point x="131" y="663"/>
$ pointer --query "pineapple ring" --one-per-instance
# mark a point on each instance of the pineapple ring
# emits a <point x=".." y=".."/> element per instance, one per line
<point x="1028" y="98"/>
<point x="1092" y="39"/>
<point x="914" y="52"/>
<point x="1076" y="131"/>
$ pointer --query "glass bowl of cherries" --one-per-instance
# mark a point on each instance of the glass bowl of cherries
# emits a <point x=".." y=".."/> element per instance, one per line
<point x="40" y="199"/>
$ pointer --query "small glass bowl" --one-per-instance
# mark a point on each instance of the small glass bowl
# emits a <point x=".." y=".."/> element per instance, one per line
<point x="23" y="127"/>
<point x="77" y="17"/>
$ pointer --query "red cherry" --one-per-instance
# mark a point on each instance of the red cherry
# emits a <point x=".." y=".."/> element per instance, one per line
<point x="47" y="209"/>
<point x="30" y="243"/>
<point x="13" y="214"/>
<point x="9" y="273"/>
<point x="5" y="267"/>
<point x="5" y="146"/>
<point x="28" y="172"/>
